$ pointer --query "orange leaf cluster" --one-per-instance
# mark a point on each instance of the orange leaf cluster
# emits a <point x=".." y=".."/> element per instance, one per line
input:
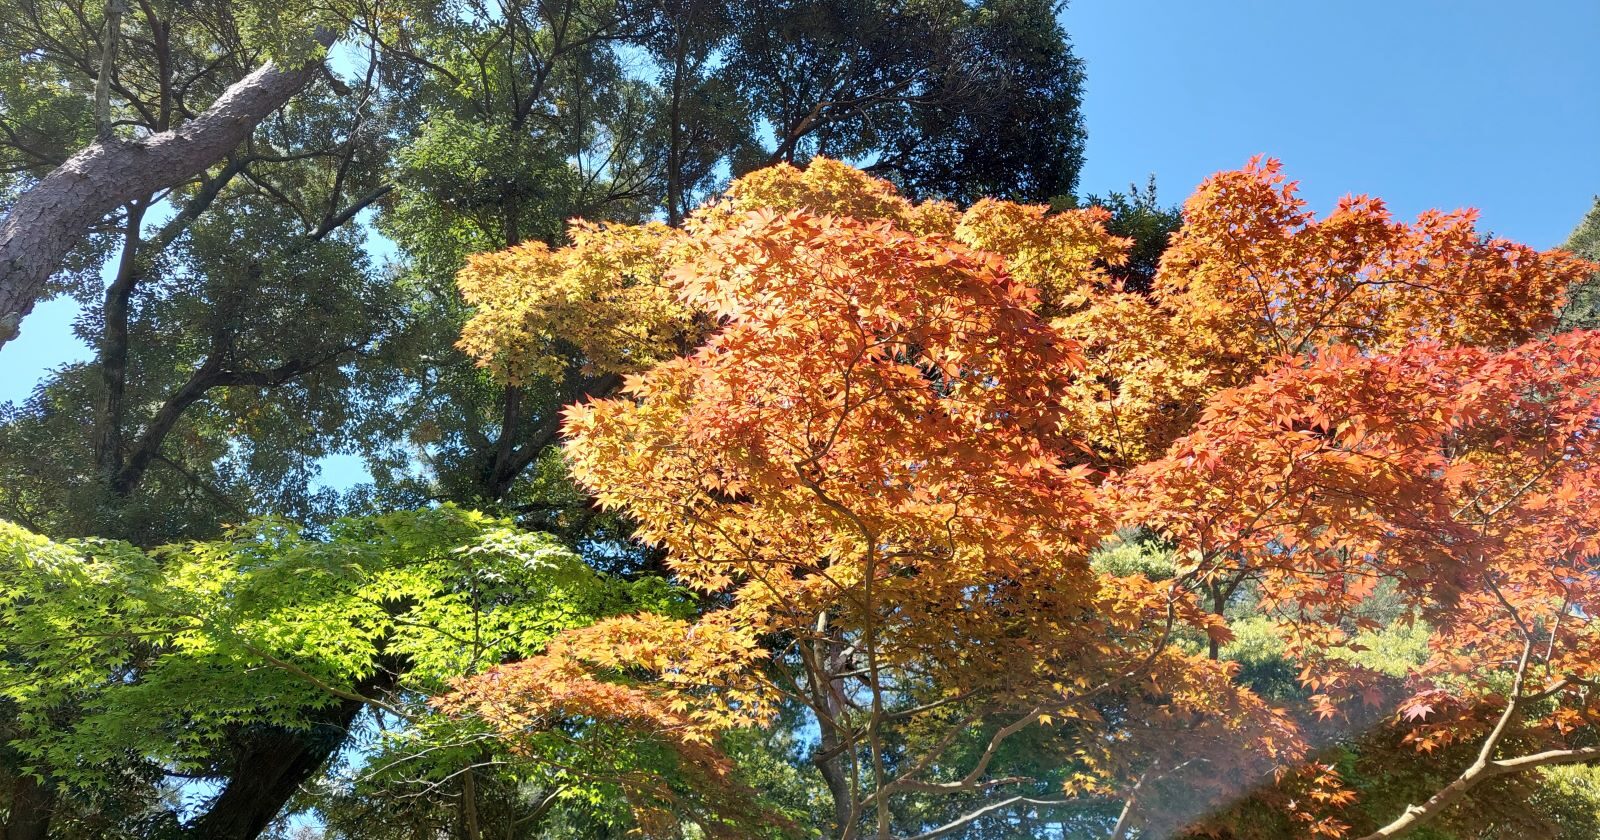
<point x="1256" y="276"/>
<point x="1466" y="479"/>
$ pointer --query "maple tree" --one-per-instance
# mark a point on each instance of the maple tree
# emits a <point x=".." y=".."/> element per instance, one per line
<point x="905" y="431"/>
<point x="262" y="653"/>
<point x="1461" y="477"/>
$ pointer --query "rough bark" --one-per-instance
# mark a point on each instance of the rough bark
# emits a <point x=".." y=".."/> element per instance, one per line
<point x="49" y="219"/>
<point x="827" y="699"/>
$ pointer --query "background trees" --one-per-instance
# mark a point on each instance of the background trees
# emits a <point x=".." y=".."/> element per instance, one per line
<point x="1580" y="311"/>
<point x="180" y="137"/>
<point x="244" y="277"/>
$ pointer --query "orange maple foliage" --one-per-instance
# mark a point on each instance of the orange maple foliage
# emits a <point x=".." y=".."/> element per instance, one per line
<point x="1254" y="278"/>
<point x="1465" y="481"/>
<point x="1257" y="275"/>
<point x="904" y="430"/>
<point x="709" y="663"/>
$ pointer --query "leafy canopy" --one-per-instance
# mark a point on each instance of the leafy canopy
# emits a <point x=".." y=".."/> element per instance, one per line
<point x="118" y="660"/>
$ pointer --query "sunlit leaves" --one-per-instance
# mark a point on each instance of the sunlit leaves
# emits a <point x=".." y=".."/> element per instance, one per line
<point x="163" y="652"/>
<point x="1463" y="478"/>
<point x="1255" y="273"/>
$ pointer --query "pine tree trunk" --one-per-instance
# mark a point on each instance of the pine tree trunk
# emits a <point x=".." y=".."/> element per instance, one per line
<point x="47" y="221"/>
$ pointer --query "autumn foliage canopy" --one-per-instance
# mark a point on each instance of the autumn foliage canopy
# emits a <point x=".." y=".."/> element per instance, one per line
<point x="891" y="443"/>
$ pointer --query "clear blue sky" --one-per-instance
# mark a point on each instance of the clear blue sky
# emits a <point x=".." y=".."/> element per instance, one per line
<point x="1423" y="102"/>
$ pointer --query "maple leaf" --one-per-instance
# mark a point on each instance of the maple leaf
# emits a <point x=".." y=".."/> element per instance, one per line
<point x="1416" y="709"/>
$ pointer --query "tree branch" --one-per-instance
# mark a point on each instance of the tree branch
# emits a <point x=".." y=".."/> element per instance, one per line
<point x="48" y="220"/>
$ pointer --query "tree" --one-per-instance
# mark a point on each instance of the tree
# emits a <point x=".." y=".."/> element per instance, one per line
<point x="243" y="280"/>
<point x="1583" y="310"/>
<point x="496" y="155"/>
<point x="907" y="429"/>
<point x="246" y="662"/>
<point x="1138" y="215"/>
<point x="950" y="100"/>
<point x="46" y="219"/>
<point x="1447" y="474"/>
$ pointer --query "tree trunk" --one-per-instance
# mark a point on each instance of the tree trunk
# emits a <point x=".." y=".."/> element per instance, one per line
<point x="675" y="139"/>
<point x="114" y="350"/>
<point x="836" y="780"/>
<point x="1219" y="603"/>
<point x="831" y="758"/>
<point x="31" y="807"/>
<point x="270" y="765"/>
<point x="506" y="460"/>
<point x="49" y="219"/>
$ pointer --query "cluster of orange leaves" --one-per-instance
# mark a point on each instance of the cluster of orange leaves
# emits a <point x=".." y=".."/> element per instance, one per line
<point x="710" y="664"/>
<point x="856" y="417"/>
<point x="1465" y="479"/>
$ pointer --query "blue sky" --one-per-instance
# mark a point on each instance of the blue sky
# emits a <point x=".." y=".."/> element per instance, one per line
<point x="1423" y="102"/>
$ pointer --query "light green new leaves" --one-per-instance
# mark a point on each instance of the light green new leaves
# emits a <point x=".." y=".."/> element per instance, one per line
<point x="153" y="657"/>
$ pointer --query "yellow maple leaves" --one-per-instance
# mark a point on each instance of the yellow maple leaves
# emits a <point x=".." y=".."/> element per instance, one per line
<point x="603" y="298"/>
<point x="1062" y="256"/>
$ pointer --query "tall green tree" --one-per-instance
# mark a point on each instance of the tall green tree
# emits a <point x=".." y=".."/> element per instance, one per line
<point x="62" y="195"/>
<point x="518" y="119"/>
<point x="232" y="298"/>
<point x="1139" y="215"/>
<point x="1582" y="311"/>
